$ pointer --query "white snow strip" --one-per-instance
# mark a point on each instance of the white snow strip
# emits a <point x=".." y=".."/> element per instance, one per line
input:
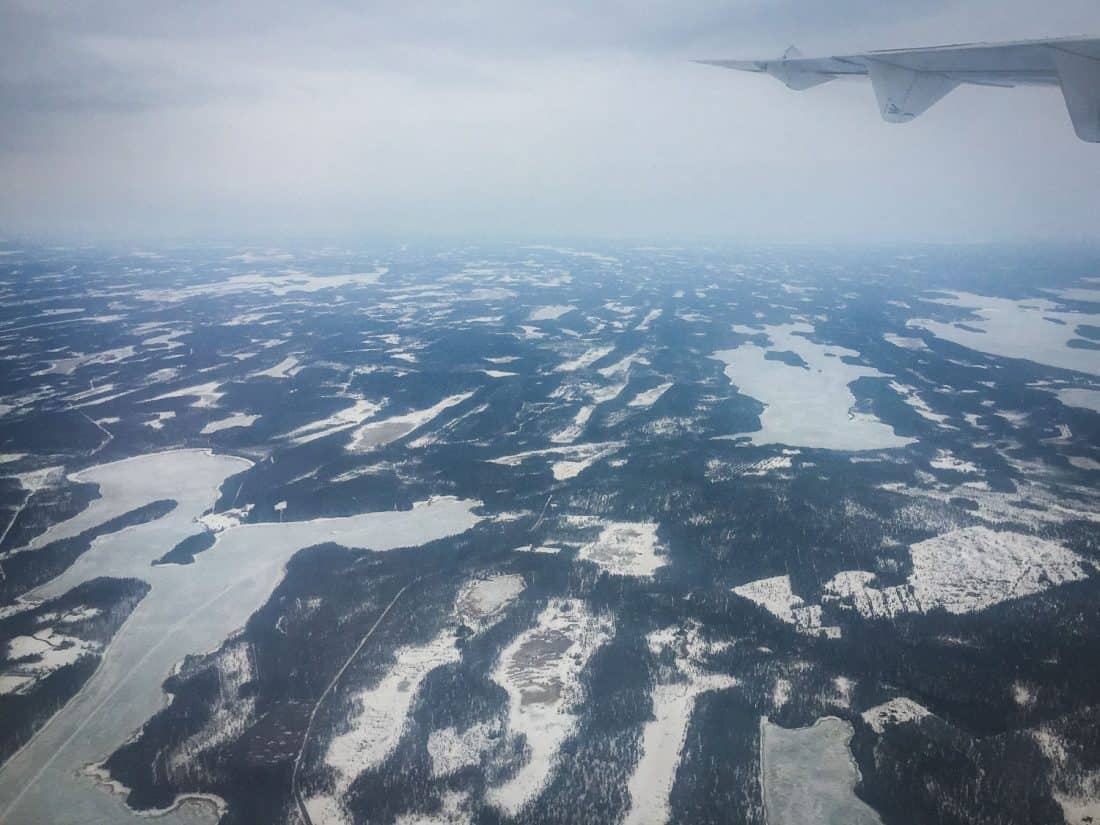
<point x="379" y="433"/>
<point x="585" y="360"/>
<point x="207" y="395"/>
<point x="287" y="368"/>
<point x="648" y="398"/>
<point x="550" y="313"/>
<point x="229" y="423"/>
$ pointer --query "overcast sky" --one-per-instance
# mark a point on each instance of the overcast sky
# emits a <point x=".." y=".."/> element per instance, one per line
<point x="520" y="119"/>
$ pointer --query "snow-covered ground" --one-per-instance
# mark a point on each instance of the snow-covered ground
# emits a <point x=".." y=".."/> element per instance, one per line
<point x="379" y="713"/>
<point x="205" y="395"/>
<point x="229" y="422"/>
<point x="574" y="459"/>
<point x="540" y="671"/>
<point x="894" y="712"/>
<point x="585" y="360"/>
<point x="964" y="571"/>
<point x="647" y="398"/>
<point x="360" y="410"/>
<point x="379" y="433"/>
<point x="776" y="596"/>
<point x="626" y="548"/>
<point x="550" y="313"/>
<point x="663" y="736"/>
<point x="287" y="368"/>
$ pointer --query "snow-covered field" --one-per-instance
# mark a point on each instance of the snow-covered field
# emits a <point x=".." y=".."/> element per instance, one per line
<point x="663" y="736"/>
<point x="964" y="571"/>
<point x="895" y="712"/>
<point x="540" y="671"/>
<point x="229" y="422"/>
<point x="574" y="459"/>
<point x="379" y="433"/>
<point x="550" y="313"/>
<point x="626" y="548"/>
<point x="776" y="596"/>
<point x="647" y="398"/>
<point x="379" y="713"/>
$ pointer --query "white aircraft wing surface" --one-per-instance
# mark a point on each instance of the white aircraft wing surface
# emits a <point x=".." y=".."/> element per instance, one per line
<point x="908" y="81"/>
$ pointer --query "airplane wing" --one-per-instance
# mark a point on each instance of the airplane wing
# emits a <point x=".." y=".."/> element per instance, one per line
<point x="907" y="82"/>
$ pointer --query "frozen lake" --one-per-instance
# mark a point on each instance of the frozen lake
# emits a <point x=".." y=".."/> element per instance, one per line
<point x="807" y="405"/>
<point x="809" y="775"/>
<point x="190" y="609"/>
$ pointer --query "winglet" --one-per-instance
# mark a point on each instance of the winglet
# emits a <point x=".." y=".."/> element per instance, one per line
<point x="1079" y="77"/>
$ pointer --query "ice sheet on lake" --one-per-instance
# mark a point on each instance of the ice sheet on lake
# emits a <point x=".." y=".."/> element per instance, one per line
<point x="809" y="406"/>
<point x="1032" y="329"/>
<point x="809" y="775"/>
<point x="189" y="609"/>
<point x="1085" y="399"/>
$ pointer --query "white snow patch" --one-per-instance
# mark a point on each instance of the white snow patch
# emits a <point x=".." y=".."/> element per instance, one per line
<point x="207" y="395"/>
<point x="230" y="422"/>
<point x="663" y="736"/>
<point x="585" y="360"/>
<point x="550" y="313"/>
<point x="963" y="571"/>
<point x="379" y="718"/>
<point x="452" y="750"/>
<point x="775" y="596"/>
<point x="895" y="712"/>
<point x="649" y="397"/>
<point x="378" y="433"/>
<point x="626" y="549"/>
<point x="287" y="368"/>
<point x="346" y="418"/>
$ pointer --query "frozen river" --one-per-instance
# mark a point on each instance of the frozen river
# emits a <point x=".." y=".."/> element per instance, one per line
<point x="190" y="609"/>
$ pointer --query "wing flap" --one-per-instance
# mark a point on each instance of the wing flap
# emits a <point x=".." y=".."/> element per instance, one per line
<point x="903" y="93"/>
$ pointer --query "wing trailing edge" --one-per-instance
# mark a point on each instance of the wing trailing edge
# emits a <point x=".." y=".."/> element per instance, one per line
<point x="908" y="82"/>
